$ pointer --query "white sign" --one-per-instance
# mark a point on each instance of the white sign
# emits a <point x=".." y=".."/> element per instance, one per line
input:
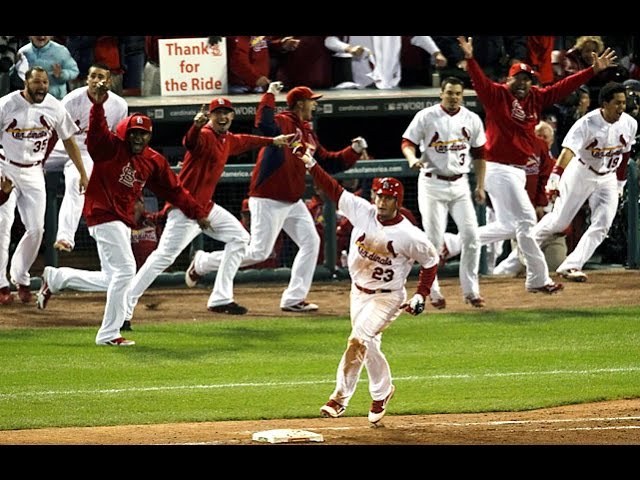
<point x="190" y="66"/>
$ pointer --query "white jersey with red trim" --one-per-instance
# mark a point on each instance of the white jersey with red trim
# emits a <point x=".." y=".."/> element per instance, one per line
<point x="78" y="104"/>
<point x="26" y="128"/>
<point x="381" y="255"/>
<point x="445" y="139"/>
<point x="600" y="144"/>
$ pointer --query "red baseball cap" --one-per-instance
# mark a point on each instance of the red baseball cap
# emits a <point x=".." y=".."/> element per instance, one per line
<point x="220" y="102"/>
<point x="301" y="93"/>
<point x="517" y="68"/>
<point x="140" y="121"/>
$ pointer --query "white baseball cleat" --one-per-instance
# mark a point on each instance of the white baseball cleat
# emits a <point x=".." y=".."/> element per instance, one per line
<point x="379" y="407"/>
<point x="191" y="277"/>
<point x="573" y="274"/>
<point x="332" y="409"/>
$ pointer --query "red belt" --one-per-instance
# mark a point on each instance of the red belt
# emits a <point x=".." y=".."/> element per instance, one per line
<point x="594" y="170"/>
<point x="442" y="177"/>
<point x="371" y="292"/>
<point x="21" y="165"/>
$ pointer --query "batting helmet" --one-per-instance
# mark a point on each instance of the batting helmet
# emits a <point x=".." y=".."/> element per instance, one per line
<point x="389" y="186"/>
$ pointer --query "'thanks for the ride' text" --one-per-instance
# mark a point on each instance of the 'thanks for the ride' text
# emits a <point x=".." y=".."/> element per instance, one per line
<point x="190" y="66"/>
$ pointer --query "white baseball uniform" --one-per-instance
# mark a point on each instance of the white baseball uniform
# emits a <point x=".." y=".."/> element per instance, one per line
<point x="25" y="131"/>
<point x="78" y="104"/>
<point x="380" y="259"/>
<point x="598" y="147"/>
<point x="445" y="141"/>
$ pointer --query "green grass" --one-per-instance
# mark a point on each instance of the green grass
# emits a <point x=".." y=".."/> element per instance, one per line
<point x="285" y="368"/>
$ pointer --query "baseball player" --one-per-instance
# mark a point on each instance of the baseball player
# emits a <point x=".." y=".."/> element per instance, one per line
<point x="512" y="112"/>
<point x="78" y="102"/>
<point x="209" y="145"/>
<point x="384" y="247"/>
<point x="449" y="136"/>
<point x="591" y="166"/>
<point x="30" y="122"/>
<point x="124" y="164"/>
<point x="275" y="194"/>
<point x="537" y="170"/>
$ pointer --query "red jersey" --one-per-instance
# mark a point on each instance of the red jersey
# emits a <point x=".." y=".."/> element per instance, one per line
<point x="278" y="173"/>
<point x="248" y="59"/>
<point x="207" y="154"/>
<point x="509" y="122"/>
<point x="119" y="176"/>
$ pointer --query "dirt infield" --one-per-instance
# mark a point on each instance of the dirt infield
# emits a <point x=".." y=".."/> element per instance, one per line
<point x="606" y="423"/>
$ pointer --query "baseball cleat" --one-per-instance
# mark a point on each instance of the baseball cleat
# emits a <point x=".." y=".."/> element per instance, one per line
<point x="439" y="303"/>
<point x="44" y="294"/>
<point x="6" y="297"/>
<point x="191" y="277"/>
<point x="550" y="288"/>
<point x="117" y="342"/>
<point x="379" y="407"/>
<point x="573" y="274"/>
<point x="230" y="308"/>
<point x="332" y="409"/>
<point x="126" y="325"/>
<point x="24" y="294"/>
<point x="301" y="307"/>
<point x="475" y="301"/>
<point x="63" y="246"/>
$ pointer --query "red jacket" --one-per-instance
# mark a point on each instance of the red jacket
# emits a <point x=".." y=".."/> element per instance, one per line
<point x="510" y="123"/>
<point x="207" y="154"/>
<point x="278" y="173"/>
<point x="119" y="176"/>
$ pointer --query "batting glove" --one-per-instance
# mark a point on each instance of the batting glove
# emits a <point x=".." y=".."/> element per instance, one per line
<point x="305" y="156"/>
<point x="621" y="184"/>
<point x="275" y="87"/>
<point x="553" y="183"/>
<point x="359" y="144"/>
<point x="415" y="306"/>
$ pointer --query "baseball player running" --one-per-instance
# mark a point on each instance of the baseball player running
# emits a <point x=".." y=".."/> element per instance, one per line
<point x="449" y="136"/>
<point x="124" y="164"/>
<point x="512" y="112"/>
<point x="78" y="102"/>
<point x="275" y="195"/>
<point x="591" y="166"/>
<point x="384" y="247"/>
<point x="30" y="122"/>
<point x="209" y="145"/>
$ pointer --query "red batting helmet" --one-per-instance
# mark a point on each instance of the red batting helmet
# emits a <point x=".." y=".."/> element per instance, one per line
<point x="389" y="186"/>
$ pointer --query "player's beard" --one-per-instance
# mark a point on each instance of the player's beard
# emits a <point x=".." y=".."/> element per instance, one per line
<point x="37" y="95"/>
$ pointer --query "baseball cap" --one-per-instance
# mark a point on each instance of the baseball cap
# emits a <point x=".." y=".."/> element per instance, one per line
<point x="521" y="68"/>
<point x="632" y="84"/>
<point x="140" y="121"/>
<point x="245" y="205"/>
<point x="301" y="93"/>
<point x="389" y="186"/>
<point x="220" y="102"/>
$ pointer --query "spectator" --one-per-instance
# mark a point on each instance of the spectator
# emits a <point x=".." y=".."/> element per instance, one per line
<point x="351" y="60"/>
<point x="248" y="64"/>
<point x="55" y="59"/>
<point x="539" y="49"/>
<point x="8" y="57"/>
<point x="132" y="49"/>
<point x="308" y="63"/>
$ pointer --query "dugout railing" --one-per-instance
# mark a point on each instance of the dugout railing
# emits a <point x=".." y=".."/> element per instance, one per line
<point x="232" y="189"/>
